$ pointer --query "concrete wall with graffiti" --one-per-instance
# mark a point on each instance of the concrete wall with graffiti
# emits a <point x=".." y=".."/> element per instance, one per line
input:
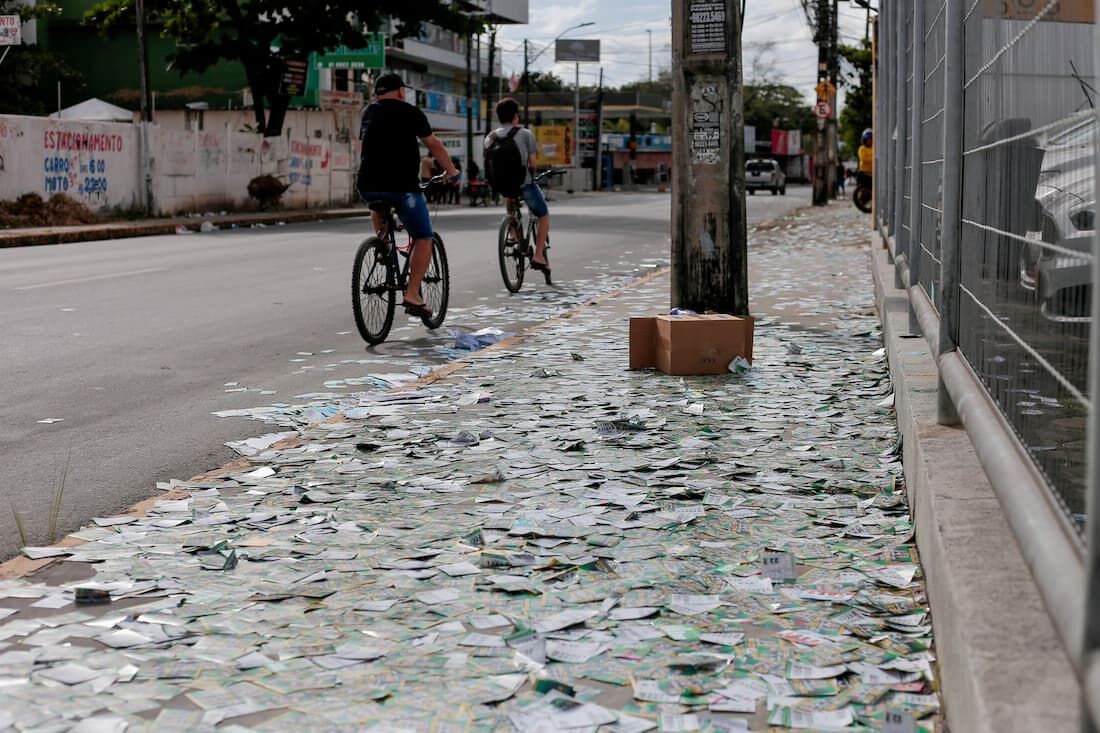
<point x="94" y="163"/>
<point x="198" y="169"/>
<point x="199" y="163"/>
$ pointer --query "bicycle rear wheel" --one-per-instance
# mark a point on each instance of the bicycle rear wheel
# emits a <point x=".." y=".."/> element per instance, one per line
<point x="511" y="256"/>
<point x="373" y="290"/>
<point x="435" y="288"/>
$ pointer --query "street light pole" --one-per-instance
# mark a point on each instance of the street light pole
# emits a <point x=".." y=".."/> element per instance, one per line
<point x="650" y="33"/>
<point x="577" y="115"/>
<point x="527" y="62"/>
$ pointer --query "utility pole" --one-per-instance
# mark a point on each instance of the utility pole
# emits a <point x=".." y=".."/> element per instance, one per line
<point x="709" y="253"/>
<point x="831" y="128"/>
<point x="489" y="86"/>
<point x="577" y="115"/>
<point x="146" y="105"/>
<point x="597" y="166"/>
<point x="823" y="36"/>
<point x="469" y="109"/>
<point x="526" y="87"/>
<point x="650" y="34"/>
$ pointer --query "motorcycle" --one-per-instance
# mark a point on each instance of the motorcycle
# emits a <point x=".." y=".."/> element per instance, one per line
<point x="861" y="197"/>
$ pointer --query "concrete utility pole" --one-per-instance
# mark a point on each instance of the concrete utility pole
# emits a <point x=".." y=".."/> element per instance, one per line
<point x="489" y="111"/>
<point x="709" y="253"/>
<point x="146" y="105"/>
<point x="824" y="162"/>
<point x="469" y="109"/>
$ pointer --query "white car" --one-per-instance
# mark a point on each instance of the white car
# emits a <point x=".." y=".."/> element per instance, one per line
<point x="1060" y="270"/>
<point x="765" y="174"/>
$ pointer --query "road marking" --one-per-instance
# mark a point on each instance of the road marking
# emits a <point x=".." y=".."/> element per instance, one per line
<point x="90" y="278"/>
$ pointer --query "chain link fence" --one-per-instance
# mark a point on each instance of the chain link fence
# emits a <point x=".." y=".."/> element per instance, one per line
<point x="985" y="193"/>
<point x="1027" y="224"/>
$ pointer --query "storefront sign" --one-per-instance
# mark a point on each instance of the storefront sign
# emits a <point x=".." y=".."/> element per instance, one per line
<point x="341" y="100"/>
<point x="371" y="56"/>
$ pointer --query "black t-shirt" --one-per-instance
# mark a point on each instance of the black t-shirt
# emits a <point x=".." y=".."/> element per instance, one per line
<point x="391" y="155"/>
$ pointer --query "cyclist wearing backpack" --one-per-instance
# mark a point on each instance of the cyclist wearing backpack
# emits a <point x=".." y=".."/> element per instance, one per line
<point x="388" y="172"/>
<point x="510" y="159"/>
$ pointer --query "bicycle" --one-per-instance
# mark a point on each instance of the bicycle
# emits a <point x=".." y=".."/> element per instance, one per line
<point x="377" y="276"/>
<point x="515" y="252"/>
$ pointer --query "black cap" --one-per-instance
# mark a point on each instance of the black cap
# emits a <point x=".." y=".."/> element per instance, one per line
<point x="387" y="83"/>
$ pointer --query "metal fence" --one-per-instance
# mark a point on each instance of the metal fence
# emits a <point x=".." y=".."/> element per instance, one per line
<point x="985" y="168"/>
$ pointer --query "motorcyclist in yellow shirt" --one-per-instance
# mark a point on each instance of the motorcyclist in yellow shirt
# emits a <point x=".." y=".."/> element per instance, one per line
<point x="867" y="156"/>
<point x="864" y="176"/>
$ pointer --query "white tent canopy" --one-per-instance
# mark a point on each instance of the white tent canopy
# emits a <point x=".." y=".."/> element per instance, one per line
<point x="95" y="110"/>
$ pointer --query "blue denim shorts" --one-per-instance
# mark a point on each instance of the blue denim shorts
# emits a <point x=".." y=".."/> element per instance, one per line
<point x="536" y="202"/>
<point x="411" y="208"/>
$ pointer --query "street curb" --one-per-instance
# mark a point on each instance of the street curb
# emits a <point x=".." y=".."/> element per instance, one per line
<point x="120" y="230"/>
<point x="21" y="566"/>
<point x="38" y="236"/>
<point x="1001" y="665"/>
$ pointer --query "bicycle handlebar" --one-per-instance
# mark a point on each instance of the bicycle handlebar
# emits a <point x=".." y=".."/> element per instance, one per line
<point x="550" y="172"/>
<point x="441" y="178"/>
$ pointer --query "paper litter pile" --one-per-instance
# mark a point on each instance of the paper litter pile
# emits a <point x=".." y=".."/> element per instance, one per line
<point x="541" y="541"/>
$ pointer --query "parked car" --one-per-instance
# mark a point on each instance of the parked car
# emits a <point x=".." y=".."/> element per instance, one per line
<point x="761" y="174"/>
<point x="1058" y="265"/>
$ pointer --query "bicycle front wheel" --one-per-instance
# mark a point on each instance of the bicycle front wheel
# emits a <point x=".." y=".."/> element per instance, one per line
<point x="435" y="288"/>
<point x="511" y="256"/>
<point x="373" y="290"/>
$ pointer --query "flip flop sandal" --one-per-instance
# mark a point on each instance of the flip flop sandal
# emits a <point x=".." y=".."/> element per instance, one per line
<point x="543" y="268"/>
<point x="418" y="310"/>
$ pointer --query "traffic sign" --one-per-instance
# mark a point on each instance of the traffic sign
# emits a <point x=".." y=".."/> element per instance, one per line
<point x="823" y="110"/>
<point x="825" y="89"/>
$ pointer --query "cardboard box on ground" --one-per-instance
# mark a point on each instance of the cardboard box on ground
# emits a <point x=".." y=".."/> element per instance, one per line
<point x="685" y="345"/>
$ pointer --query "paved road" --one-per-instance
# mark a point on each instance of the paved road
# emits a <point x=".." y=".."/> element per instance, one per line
<point x="131" y="344"/>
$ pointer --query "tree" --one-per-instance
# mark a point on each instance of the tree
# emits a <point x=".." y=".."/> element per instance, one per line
<point x="770" y="105"/>
<point x="545" y="81"/>
<point x="262" y="35"/>
<point x="661" y="85"/>
<point x="30" y="74"/>
<point x="858" y="109"/>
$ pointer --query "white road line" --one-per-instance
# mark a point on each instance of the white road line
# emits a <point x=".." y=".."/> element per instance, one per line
<point x="90" y="278"/>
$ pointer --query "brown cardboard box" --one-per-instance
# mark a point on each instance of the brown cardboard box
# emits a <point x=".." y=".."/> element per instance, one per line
<point x="687" y="345"/>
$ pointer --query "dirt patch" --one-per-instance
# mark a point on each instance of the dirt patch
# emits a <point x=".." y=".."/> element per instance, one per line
<point x="31" y="210"/>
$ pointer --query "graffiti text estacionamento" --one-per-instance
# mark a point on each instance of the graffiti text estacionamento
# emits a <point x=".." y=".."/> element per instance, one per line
<point x="94" y="142"/>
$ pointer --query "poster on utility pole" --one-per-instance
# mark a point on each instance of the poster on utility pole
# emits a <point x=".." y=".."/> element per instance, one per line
<point x="11" y="30"/>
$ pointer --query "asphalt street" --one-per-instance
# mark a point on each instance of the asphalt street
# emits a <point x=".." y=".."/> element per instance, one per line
<point x="116" y="353"/>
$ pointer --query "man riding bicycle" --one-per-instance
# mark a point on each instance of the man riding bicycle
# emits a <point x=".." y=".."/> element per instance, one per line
<point x="508" y="114"/>
<point x="389" y="172"/>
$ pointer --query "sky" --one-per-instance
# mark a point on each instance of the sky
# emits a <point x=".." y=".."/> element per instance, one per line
<point x="777" y="41"/>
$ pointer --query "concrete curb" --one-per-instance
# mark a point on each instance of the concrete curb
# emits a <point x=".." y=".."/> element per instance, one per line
<point x="1002" y="668"/>
<point x="128" y="230"/>
<point x="38" y="236"/>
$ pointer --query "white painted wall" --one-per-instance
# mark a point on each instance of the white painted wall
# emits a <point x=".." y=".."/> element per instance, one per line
<point x="94" y="163"/>
<point x="99" y="164"/>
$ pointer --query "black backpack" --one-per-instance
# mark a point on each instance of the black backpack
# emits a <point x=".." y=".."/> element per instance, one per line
<point x="504" y="164"/>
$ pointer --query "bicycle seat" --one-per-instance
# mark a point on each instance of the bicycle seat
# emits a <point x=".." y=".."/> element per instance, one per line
<point x="382" y="207"/>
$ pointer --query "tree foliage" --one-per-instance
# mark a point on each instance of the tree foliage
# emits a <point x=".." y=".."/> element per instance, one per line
<point x="262" y="34"/>
<point x="546" y="81"/>
<point x="661" y="85"/>
<point x="858" y="111"/>
<point x="770" y="105"/>
<point x="30" y="74"/>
